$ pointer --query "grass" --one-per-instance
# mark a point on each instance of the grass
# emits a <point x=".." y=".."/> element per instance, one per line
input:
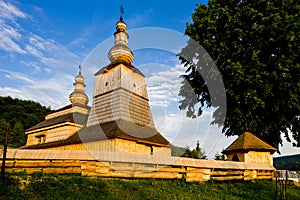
<point x="45" y="186"/>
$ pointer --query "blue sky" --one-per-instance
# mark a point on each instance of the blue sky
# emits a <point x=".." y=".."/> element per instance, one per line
<point x="43" y="42"/>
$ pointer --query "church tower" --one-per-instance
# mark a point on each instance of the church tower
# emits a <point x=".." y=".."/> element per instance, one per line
<point x="120" y="102"/>
<point x="120" y="91"/>
<point x="78" y="96"/>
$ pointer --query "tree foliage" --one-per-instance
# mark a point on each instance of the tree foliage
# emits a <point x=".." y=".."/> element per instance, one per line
<point x="16" y="135"/>
<point x="220" y="156"/>
<point x="21" y="115"/>
<point x="197" y="153"/>
<point x="178" y="151"/>
<point x="255" y="45"/>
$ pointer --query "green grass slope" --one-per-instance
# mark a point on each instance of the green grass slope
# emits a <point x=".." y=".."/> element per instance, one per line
<point x="42" y="186"/>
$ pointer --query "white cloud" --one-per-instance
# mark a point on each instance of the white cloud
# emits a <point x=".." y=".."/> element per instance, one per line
<point x="8" y="38"/>
<point x="35" y="48"/>
<point x="34" y="65"/>
<point x="163" y="86"/>
<point x="17" y="76"/>
<point x="78" y="42"/>
<point x="9" y="29"/>
<point x="9" y="11"/>
<point x="53" y="91"/>
<point x="38" y="52"/>
<point x="51" y="54"/>
<point x="183" y="131"/>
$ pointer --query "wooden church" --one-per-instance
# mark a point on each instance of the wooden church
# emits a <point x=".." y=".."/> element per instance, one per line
<point x="119" y="120"/>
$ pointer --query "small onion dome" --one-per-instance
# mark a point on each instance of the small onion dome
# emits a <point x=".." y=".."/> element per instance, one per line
<point x="120" y="51"/>
<point x="121" y="26"/>
<point x="78" y="96"/>
<point x="79" y="79"/>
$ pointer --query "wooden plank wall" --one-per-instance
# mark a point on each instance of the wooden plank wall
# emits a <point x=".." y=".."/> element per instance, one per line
<point x="192" y="171"/>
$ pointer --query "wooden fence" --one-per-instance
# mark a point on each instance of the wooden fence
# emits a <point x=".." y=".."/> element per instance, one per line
<point x="124" y="165"/>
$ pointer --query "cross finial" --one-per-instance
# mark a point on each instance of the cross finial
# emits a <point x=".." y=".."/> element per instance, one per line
<point x="80" y="68"/>
<point x="122" y="10"/>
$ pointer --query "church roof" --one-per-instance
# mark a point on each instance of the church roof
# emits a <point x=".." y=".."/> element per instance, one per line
<point x="77" y="118"/>
<point x="120" y="129"/>
<point x="110" y="130"/>
<point x="112" y="65"/>
<point x="247" y="142"/>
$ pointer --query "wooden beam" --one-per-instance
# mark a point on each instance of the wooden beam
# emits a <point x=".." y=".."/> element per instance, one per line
<point x="4" y="151"/>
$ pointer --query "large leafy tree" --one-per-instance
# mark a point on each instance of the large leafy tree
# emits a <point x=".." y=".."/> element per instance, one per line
<point x="255" y="46"/>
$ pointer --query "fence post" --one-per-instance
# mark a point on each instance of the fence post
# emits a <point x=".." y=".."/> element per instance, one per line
<point x="4" y="151"/>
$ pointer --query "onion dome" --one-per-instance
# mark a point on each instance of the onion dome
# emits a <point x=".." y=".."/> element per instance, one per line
<point x="78" y="96"/>
<point x="120" y="51"/>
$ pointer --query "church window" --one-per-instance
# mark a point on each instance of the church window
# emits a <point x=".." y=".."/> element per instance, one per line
<point x="41" y="139"/>
<point x="106" y="83"/>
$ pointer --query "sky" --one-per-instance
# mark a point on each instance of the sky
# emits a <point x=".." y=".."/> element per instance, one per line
<point x="42" y="43"/>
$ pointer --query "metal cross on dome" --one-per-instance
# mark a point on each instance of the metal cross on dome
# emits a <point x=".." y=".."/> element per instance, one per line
<point x="122" y="10"/>
<point x="80" y="68"/>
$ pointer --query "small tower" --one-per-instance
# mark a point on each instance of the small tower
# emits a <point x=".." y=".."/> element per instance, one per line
<point x="249" y="148"/>
<point x="78" y="96"/>
<point x="120" y="51"/>
<point x="62" y="123"/>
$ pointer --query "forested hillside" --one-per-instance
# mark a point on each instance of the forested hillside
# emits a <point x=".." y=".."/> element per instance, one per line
<point x="291" y="162"/>
<point x="21" y="115"/>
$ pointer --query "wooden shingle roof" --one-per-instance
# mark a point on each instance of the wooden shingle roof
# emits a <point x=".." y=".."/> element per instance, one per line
<point x="249" y="142"/>
<point x="77" y="118"/>
<point x="120" y="129"/>
<point x="110" y="130"/>
<point x="112" y="65"/>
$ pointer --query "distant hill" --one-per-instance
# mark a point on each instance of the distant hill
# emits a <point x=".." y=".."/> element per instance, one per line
<point x="21" y="115"/>
<point x="291" y="162"/>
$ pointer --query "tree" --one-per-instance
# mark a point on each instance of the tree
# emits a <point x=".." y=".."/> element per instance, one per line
<point x="16" y="137"/>
<point x="20" y="114"/>
<point x="196" y="153"/>
<point x="2" y="131"/>
<point x="220" y="156"/>
<point x="177" y="151"/>
<point x="255" y="45"/>
<point x="295" y="166"/>
<point x="29" y="113"/>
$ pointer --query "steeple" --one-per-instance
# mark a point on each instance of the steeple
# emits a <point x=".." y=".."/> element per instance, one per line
<point x="120" y="51"/>
<point x="78" y="96"/>
<point x="120" y="110"/>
